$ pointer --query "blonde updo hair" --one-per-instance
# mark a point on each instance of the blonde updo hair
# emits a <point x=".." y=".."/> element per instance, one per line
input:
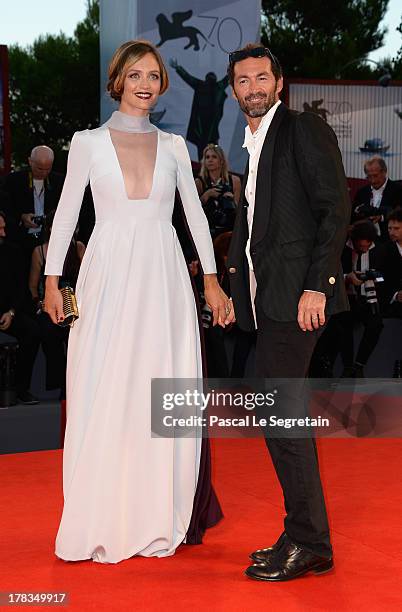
<point x="124" y="57"/>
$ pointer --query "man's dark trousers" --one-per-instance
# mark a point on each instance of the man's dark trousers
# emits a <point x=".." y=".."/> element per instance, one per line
<point x="284" y="351"/>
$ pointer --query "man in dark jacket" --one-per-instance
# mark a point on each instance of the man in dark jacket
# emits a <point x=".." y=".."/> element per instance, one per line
<point x="287" y="241"/>
<point x="392" y="266"/>
<point x="381" y="193"/>
<point x="33" y="193"/>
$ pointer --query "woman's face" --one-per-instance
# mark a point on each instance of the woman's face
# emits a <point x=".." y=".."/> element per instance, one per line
<point x="141" y="86"/>
<point x="212" y="161"/>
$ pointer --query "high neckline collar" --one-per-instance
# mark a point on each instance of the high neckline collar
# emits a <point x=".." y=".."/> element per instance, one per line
<point x="129" y="123"/>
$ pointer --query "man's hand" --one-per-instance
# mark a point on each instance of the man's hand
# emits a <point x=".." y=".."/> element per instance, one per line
<point x="217" y="300"/>
<point x="351" y="278"/>
<point x="311" y="310"/>
<point x="5" y="321"/>
<point x="399" y="296"/>
<point x="376" y="219"/>
<point x="26" y="220"/>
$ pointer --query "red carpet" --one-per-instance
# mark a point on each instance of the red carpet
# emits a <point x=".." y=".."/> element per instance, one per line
<point x="362" y="480"/>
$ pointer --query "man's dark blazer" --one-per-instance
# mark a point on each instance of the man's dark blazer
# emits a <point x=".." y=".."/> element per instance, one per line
<point x="302" y="210"/>
<point x="21" y="200"/>
<point x="391" y="199"/>
<point x="20" y="192"/>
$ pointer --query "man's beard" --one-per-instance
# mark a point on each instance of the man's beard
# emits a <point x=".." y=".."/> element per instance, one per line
<point x="258" y="108"/>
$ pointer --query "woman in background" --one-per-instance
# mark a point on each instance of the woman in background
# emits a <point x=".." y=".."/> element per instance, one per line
<point x="219" y="190"/>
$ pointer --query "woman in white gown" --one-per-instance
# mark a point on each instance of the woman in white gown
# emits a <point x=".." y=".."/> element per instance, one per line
<point x="126" y="493"/>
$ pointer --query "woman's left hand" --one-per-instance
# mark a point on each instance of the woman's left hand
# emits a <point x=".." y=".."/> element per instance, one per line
<point x="218" y="301"/>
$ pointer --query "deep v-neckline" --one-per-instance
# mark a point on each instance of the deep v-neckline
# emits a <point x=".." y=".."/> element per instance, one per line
<point x="122" y="181"/>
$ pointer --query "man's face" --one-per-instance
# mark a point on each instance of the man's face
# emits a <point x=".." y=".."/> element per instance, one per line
<point x="375" y="176"/>
<point x="395" y="231"/>
<point x="41" y="167"/>
<point x="255" y="87"/>
<point x="362" y="246"/>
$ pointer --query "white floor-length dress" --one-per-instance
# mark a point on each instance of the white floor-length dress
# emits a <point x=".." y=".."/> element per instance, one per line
<point x="126" y="493"/>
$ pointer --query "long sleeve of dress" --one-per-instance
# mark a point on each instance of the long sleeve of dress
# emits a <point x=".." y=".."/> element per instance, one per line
<point x="68" y="209"/>
<point x="195" y="216"/>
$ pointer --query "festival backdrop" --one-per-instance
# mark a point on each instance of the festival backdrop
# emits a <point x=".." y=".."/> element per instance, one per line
<point x="4" y="113"/>
<point x="194" y="38"/>
<point x="367" y="120"/>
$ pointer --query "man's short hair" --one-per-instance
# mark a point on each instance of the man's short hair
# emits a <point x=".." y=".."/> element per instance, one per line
<point x="376" y="160"/>
<point x="363" y="230"/>
<point x="3" y="214"/>
<point x="395" y="215"/>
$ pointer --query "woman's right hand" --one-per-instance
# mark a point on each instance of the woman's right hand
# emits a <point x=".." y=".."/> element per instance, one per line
<point x="53" y="303"/>
<point x="210" y="193"/>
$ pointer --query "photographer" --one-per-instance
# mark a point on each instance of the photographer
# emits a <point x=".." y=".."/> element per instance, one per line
<point x="33" y="193"/>
<point x="219" y="190"/>
<point x="376" y="200"/>
<point x="360" y="261"/>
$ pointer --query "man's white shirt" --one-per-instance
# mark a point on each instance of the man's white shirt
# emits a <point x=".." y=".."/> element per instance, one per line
<point x="253" y="142"/>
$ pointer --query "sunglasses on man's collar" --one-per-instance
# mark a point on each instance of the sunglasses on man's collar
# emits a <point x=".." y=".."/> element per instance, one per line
<point x="237" y="56"/>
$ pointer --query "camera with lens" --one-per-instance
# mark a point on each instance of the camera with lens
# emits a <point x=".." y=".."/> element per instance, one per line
<point x="223" y="188"/>
<point x="365" y="211"/>
<point x="39" y="219"/>
<point x="221" y="210"/>
<point x="370" y="278"/>
<point x="370" y="275"/>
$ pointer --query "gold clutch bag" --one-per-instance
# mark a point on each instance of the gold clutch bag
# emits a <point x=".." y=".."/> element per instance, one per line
<point x="70" y="308"/>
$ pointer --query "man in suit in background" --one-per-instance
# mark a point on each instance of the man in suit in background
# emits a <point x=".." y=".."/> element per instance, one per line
<point x="286" y="247"/>
<point x="392" y="264"/>
<point x="33" y="193"/>
<point x="381" y="193"/>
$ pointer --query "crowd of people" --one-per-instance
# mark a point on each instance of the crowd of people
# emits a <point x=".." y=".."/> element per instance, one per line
<point x="372" y="265"/>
